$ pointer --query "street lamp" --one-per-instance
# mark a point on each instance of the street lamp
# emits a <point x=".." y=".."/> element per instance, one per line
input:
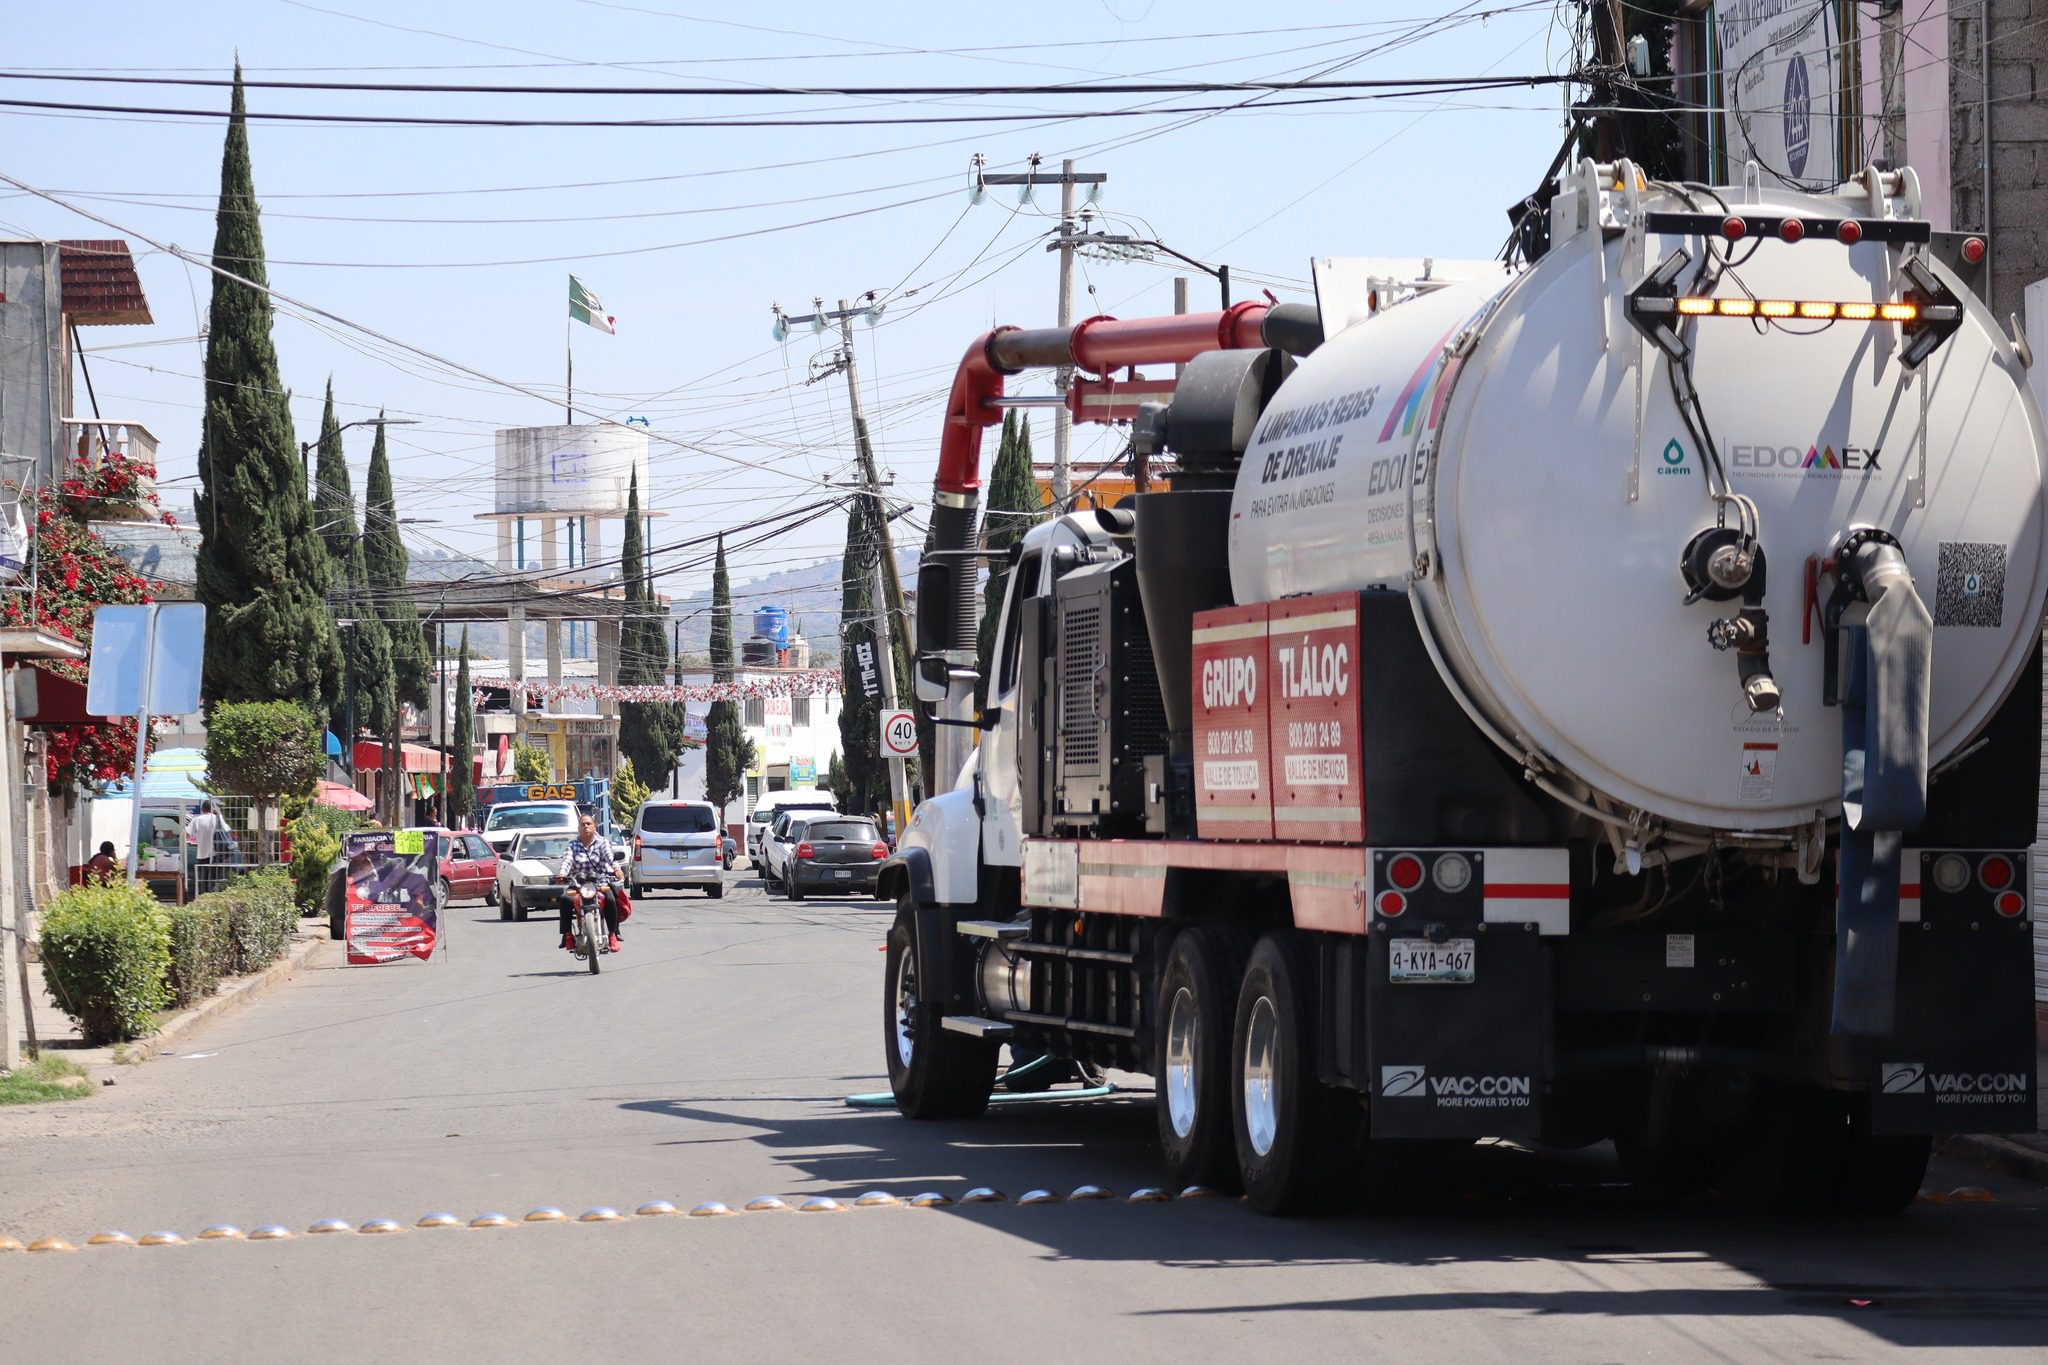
<point x="1221" y="273"/>
<point x="306" y="447"/>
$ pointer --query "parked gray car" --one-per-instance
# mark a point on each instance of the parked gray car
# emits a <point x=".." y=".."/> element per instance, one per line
<point x="831" y="855"/>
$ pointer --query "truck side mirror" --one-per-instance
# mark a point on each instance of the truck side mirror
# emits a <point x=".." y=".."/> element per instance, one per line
<point x="937" y="581"/>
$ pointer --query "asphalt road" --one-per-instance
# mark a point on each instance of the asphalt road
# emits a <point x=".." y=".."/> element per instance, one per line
<point x="709" y="1063"/>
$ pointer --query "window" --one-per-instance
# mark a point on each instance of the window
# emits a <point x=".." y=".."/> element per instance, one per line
<point x="799" y="710"/>
<point x="845" y="831"/>
<point x="1023" y="582"/>
<point x="473" y="846"/>
<point x="756" y="713"/>
<point x="677" y="820"/>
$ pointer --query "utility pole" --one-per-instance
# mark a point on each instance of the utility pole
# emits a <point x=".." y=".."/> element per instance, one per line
<point x="1609" y="53"/>
<point x="1892" y="80"/>
<point x="892" y="643"/>
<point x="1063" y="377"/>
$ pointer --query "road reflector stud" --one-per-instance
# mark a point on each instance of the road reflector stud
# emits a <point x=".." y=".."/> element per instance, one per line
<point x="327" y="1225"/>
<point x="439" y="1220"/>
<point x="548" y="1214"/>
<point x="820" y="1204"/>
<point x="148" y="1239"/>
<point x="1085" y="1192"/>
<point x="930" y="1199"/>
<point x="714" y="1209"/>
<point x="382" y="1225"/>
<point x="1151" y="1194"/>
<point x="656" y="1208"/>
<point x="490" y="1220"/>
<point x="221" y="1232"/>
<point x="1930" y="1197"/>
<point x="271" y="1232"/>
<point x="1202" y="1192"/>
<point x="876" y="1199"/>
<point x="51" y="1244"/>
<point x="110" y="1239"/>
<point x="767" y="1203"/>
<point x="1039" y="1197"/>
<point x="982" y="1194"/>
<point x="9" y="1244"/>
<point x="604" y="1213"/>
<point x="1970" y="1194"/>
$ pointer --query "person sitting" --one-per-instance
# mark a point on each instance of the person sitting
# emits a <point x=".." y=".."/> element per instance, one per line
<point x="589" y="858"/>
<point x="101" y="869"/>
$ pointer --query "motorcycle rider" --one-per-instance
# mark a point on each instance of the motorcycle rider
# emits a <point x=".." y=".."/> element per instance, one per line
<point x="589" y="858"/>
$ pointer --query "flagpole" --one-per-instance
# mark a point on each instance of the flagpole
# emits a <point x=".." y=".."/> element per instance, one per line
<point x="569" y="385"/>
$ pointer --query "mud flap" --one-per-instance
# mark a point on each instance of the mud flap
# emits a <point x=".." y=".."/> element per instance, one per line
<point x="1460" y="1060"/>
<point x="1951" y="1069"/>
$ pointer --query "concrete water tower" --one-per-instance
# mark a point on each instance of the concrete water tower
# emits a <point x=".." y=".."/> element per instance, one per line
<point x="556" y="488"/>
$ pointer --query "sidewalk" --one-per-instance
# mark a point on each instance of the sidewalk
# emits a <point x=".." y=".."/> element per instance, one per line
<point x="58" y="1032"/>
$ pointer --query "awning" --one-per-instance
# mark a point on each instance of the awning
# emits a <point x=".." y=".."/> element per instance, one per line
<point x="341" y="797"/>
<point x="169" y="775"/>
<point x="412" y="758"/>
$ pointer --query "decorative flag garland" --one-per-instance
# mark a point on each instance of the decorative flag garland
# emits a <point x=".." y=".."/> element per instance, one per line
<point x="814" y="682"/>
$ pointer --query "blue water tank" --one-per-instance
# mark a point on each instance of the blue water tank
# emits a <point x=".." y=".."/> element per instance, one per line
<point x="773" y="622"/>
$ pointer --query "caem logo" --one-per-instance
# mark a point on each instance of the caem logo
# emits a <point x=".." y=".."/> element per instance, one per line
<point x="1402" y="1082"/>
<point x="1674" y="459"/>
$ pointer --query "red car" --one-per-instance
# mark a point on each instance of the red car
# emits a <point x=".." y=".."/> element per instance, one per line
<point x="469" y="869"/>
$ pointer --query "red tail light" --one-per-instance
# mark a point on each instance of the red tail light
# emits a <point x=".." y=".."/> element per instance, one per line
<point x="805" y="852"/>
<point x="879" y="851"/>
<point x="1996" y="872"/>
<point x="1392" y="903"/>
<point x="1405" y="872"/>
<point x="636" y="849"/>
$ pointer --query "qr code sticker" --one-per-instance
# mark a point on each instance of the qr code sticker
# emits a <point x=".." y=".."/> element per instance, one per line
<point x="1969" y="587"/>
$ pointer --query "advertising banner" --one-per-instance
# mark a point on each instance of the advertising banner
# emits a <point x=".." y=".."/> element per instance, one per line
<point x="1787" y="93"/>
<point x="393" y="902"/>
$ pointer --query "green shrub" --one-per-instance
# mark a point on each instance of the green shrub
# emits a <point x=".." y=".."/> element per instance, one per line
<point x="106" y="951"/>
<point x="199" y="949"/>
<point x="316" y="843"/>
<point x="262" y="911"/>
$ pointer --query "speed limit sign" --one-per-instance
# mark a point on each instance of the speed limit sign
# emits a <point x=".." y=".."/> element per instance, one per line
<point x="899" y="734"/>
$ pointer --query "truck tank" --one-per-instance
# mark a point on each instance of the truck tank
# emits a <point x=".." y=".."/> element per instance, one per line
<point x="1512" y="452"/>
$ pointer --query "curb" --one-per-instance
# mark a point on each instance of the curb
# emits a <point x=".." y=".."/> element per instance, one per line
<point x="230" y="998"/>
<point x="1996" y="1154"/>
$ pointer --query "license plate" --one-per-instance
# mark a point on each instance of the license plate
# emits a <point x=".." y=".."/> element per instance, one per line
<point x="1418" y="961"/>
<point x="842" y="874"/>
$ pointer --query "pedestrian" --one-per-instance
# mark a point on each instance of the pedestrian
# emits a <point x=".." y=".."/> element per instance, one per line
<point x="101" y="869"/>
<point x="204" y="833"/>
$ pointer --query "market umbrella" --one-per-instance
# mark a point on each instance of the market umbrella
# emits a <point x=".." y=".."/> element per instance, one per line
<point x="341" y="797"/>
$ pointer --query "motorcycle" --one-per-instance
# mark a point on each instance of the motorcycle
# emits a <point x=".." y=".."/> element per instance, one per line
<point x="592" y="941"/>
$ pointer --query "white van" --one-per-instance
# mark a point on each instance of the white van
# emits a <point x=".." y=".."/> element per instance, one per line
<point x="807" y="798"/>
<point x="677" y="843"/>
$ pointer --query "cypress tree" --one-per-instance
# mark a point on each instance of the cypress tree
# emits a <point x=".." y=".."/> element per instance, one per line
<point x="461" y="784"/>
<point x="386" y="565"/>
<point x="261" y="573"/>
<point x="365" y="644"/>
<point x="1013" y="509"/>
<point x="650" y="732"/>
<point x="728" y="753"/>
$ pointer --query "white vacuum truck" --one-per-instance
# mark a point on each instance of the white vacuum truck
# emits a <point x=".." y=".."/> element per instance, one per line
<point x="1598" y="698"/>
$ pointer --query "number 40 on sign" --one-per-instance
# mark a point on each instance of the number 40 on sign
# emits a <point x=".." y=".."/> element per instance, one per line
<point x="899" y="734"/>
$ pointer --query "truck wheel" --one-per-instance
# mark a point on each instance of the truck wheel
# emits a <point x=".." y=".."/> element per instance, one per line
<point x="934" y="1073"/>
<point x="1191" y="1061"/>
<point x="1880" y="1173"/>
<point x="1297" y="1141"/>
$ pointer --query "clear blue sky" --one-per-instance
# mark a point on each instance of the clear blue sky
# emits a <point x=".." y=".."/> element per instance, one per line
<point x="460" y="240"/>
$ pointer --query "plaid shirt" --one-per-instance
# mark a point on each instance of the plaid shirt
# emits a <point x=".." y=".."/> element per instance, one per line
<point x="588" y="862"/>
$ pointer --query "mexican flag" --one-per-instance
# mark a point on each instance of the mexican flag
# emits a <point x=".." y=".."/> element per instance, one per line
<point x="584" y="307"/>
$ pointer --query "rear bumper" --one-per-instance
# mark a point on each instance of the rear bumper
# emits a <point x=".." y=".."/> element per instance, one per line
<point x="825" y="877"/>
<point x="709" y="874"/>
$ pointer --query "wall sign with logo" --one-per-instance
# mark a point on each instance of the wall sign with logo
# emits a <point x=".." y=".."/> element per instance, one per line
<point x="1788" y="100"/>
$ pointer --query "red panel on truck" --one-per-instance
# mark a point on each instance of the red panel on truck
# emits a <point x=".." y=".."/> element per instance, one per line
<point x="1233" y="770"/>
<point x="1318" y="771"/>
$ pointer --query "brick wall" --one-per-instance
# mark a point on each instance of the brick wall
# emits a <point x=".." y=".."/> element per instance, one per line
<point x="2018" y="122"/>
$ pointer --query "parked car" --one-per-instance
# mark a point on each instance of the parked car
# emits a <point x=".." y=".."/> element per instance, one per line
<point x="510" y="819"/>
<point x="763" y="813"/>
<point x="773" y="846"/>
<point x="676" y="843"/>
<point x="469" y="866"/>
<point x="528" y="875"/>
<point x="833" y="855"/>
<point x="730" y="850"/>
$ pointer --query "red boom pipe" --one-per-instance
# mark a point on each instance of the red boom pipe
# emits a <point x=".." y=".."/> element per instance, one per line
<point x="1097" y="345"/>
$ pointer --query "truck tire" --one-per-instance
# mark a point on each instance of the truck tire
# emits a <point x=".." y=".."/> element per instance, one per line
<point x="1296" y="1141"/>
<point x="1196" y="1008"/>
<point x="1880" y="1173"/>
<point x="934" y="1073"/>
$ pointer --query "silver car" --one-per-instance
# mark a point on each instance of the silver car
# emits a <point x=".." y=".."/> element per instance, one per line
<point x="677" y="843"/>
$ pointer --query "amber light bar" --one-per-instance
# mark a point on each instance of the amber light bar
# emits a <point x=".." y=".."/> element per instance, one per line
<point x="1815" y="310"/>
